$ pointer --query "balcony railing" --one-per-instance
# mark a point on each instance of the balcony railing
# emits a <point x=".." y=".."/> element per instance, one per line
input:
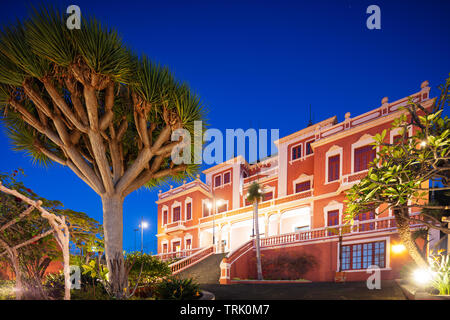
<point x="177" y="254"/>
<point x="174" y="226"/>
<point x="354" y="177"/>
<point x="366" y="226"/>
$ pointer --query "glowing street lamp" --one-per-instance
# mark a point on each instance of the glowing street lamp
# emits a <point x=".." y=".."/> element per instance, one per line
<point x="422" y="276"/>
<point x="142" y="226"/>
<point x="398" y="248"/>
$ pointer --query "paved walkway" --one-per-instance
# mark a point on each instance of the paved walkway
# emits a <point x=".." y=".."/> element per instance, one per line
<point x="305" y="291"/>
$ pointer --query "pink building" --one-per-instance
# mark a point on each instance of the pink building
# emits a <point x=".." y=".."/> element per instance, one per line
<point x="304" y="190"/>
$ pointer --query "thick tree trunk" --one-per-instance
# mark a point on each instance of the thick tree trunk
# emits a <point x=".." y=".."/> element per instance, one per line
<point x="258" y="250"/>
<point x="405" y="235"/>
<point x="113" y="230"/>
<point x="19" y="287"/>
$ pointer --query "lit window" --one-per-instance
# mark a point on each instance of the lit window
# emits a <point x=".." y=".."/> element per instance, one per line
<point x="206" y="210"/>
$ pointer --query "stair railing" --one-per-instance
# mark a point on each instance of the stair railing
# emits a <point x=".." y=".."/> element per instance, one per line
<point x="187" y="262"/>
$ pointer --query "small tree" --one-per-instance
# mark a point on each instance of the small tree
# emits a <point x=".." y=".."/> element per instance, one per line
<point x="26" y="240"/>
<point x="400" y="174"/>
<point x="254" y="196"/>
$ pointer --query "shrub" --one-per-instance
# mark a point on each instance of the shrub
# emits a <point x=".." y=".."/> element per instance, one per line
<point x="174" y="288"/>
<point x="153" y="270"/>
<point x="440" y="266"/>
<point x="7" y="290"/>
<point x="287" y="267"/>
<point x="90" y="288"/>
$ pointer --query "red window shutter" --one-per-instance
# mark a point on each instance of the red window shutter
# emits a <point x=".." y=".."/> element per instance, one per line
<point x="164" y="247"/>
<point x="333" y="218"/>
<point x="226" y="178"/>
<point x="267" y="196"/>
<point x="218" y="181"/>
<point x="363" y="157"/>
<point x="303" y="186"/>
<point x="333" y="168"/>
<point x="309" y="149"/>
<point x="165" y="217"/>
<point x="397" y="139"/>
<point x="188" y="211"/>
<point x="176" y="214"/>
<point x="296" y="152"/>
<point x="188" y="244"/>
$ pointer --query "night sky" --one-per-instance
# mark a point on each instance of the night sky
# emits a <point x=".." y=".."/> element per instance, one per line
<point x="258" y="64"/>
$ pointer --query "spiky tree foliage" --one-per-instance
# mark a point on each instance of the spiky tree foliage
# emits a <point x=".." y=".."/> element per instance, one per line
<point x="254" y="196"/>
<point x="82" y="99"/>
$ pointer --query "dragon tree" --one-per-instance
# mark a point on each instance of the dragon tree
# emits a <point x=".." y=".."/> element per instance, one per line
<point x="83" y="99"/>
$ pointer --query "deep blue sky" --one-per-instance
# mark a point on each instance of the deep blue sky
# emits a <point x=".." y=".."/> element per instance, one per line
<point x="259" y="64"/>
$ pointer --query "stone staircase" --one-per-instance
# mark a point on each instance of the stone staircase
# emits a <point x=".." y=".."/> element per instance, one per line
<point x="205" y="271"/>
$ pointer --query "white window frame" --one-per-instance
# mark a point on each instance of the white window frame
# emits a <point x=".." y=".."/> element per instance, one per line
<point x="223" y="177"/>
<point x="188" y="200"/>
<point x="333" y="151"/>
<point x="292" y="153"/>
<point x="307" y="155"/>
<point x="173" y="206"/>
<point x="203" y="205"/>
<point x="302" y="178"/>
<point x="162" y="246"/>
<point x="226" y="202"/>
<point x="214" y="181"/>
<point x="188" y="236"/>
<point x="332" y="206"/>
<point x="175" y="240"/>
<point x="165" y="208"/>
<point x="396" y="131"/>
<point x="267" y="189"/>
<point x="387" y="251"/>
<point x="365" y="140"/>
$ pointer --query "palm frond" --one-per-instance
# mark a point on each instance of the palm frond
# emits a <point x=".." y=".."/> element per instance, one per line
<point x="49" y="37"/>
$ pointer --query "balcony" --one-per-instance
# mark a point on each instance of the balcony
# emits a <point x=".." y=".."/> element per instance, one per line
<point x="174" y="227"/>
<point x="387" y="224"/>
<point x="353" y="178"/>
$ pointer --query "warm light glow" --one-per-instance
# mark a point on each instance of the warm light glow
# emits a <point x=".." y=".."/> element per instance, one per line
<point x="219" y="202"/>
<point x="398" y="248"/>
<point x="423" y="143"/>
<point x="209" y="205"/>
<point x="144" y="225"/>
<point x="422" y="276"/>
